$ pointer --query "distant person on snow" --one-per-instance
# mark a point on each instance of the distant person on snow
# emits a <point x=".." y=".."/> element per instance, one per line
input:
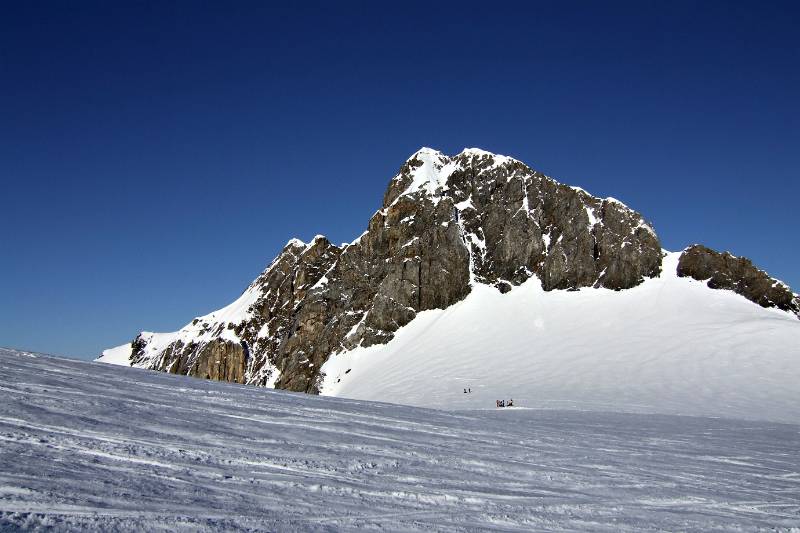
<point x="511" y="402"/>
<point x="465" y="391"/>
<point x="502" y="403"/>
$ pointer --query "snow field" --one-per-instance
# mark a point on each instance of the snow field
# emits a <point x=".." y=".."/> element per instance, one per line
<point x="94" y="447"/>
<point x="670" y="345"/>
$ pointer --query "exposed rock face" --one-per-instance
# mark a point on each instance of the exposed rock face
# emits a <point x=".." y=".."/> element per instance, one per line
<point x="218" y="359"/>
<point x="445" y="224"/>
<point x="242" y="342"/>
<point x="725" y="271"/>
<point x="518" y="222"/>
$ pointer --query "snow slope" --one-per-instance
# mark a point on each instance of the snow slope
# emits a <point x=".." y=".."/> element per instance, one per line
<point x="119" y="355"/>
<point x="92" y="447"/>
<point x="670" y="345"/>
<point x="197" y="330"/>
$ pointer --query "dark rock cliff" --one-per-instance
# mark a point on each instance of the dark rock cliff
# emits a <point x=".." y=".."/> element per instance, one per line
<point x="738" y="274"/>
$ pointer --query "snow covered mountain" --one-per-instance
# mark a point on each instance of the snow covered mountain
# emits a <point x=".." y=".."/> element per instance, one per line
<point x="479" y="272"/>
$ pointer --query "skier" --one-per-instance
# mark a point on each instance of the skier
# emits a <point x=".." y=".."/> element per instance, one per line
<point x="511" y="402"/>
<point x="465" y="391"/>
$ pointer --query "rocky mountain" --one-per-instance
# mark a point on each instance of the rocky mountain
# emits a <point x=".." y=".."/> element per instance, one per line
<point x="447" y="225"/>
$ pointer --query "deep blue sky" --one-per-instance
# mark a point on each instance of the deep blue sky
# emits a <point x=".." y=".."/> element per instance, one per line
<point x="155" y="156"/>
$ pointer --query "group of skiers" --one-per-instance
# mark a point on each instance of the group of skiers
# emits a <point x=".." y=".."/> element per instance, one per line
<point x="500" y="403"/>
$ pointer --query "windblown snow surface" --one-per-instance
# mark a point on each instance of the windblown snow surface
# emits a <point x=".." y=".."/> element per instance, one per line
<point x="87" y="446"/>
<point x="670" y="345"/>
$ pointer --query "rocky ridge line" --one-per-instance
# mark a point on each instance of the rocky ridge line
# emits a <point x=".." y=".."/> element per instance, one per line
<point x="738" y="274"/>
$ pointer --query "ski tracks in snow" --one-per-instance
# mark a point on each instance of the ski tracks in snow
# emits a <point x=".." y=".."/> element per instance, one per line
<point x="94" y="447"/>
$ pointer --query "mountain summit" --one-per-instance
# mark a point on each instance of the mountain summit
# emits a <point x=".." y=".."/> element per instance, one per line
<point x="448" y="225"/>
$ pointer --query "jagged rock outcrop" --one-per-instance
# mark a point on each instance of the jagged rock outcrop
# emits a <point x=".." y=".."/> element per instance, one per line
<point x="223" y="360"/>
<point x="446" y="223"/>
<point x="738" y="274"/>
<point x="242" y="342"/>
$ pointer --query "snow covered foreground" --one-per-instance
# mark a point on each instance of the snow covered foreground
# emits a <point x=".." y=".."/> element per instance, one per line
<point x="88" y="446"/>
<point x="670" y="345"/>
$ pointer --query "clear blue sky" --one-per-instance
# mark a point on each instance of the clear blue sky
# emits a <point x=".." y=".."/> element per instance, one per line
<point x="155" y="156"/>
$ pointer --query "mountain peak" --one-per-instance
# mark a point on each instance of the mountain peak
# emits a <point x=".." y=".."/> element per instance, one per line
<point x="294" y="242"/>
<point x="428" y="171"/>
<point x="481" y="153"/>
<point x="449" y="226"/>
<point x="476" y="151"/>
<point x="425" y="151"/>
